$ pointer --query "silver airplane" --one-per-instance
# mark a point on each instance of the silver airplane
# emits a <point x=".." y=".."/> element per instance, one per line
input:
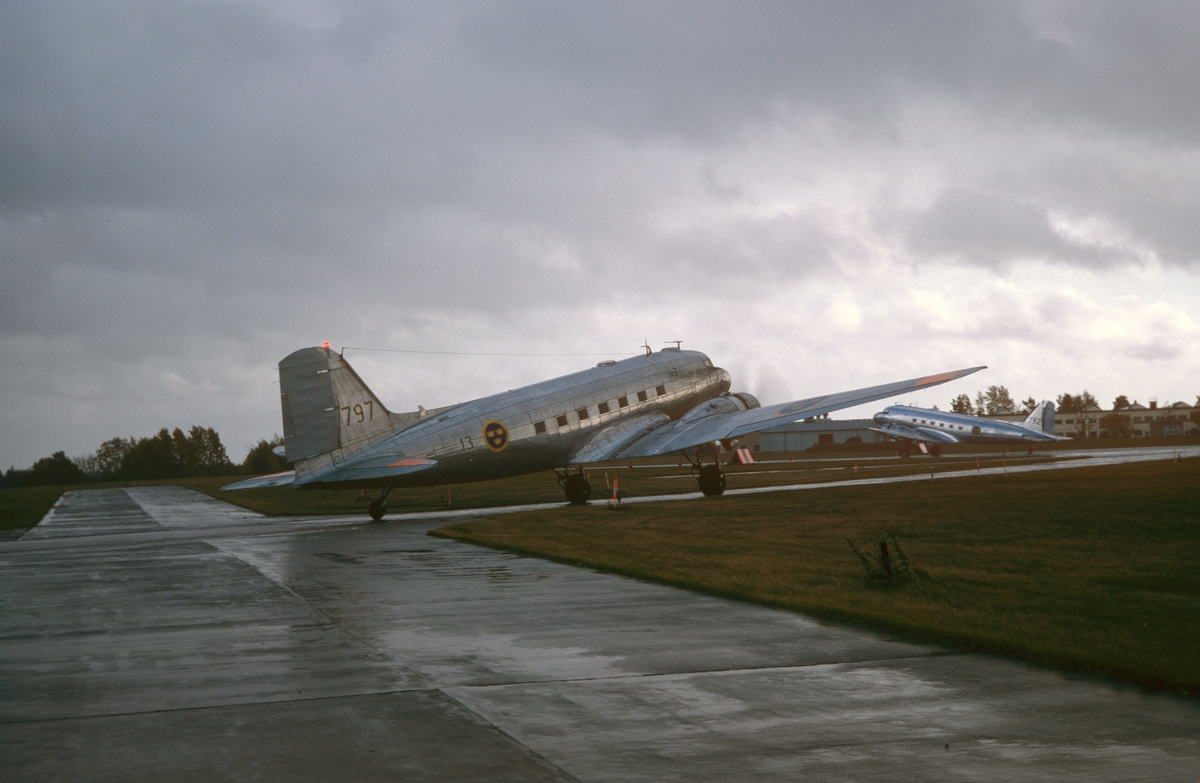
<point x="338" y="434"/>
<point x="904" y="422"/>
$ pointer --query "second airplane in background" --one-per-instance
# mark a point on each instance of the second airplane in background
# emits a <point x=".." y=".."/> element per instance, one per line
<point x="922" y="425"/>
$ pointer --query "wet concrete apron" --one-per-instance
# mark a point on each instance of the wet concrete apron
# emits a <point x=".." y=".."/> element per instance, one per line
<point x="154" y="632"/>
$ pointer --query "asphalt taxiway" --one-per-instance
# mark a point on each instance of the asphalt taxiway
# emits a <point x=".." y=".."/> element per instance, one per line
<point x="153" y="633"/>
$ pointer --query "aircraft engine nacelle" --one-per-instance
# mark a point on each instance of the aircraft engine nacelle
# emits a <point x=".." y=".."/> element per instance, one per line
<point x="729" y="402"/>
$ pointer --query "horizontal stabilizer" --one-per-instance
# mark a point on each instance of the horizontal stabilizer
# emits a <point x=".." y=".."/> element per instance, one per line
<point x="373" y="471"/>
<point x="272" y="480"/>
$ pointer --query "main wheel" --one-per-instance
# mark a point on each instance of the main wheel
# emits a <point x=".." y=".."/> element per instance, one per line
<point x="577" y="488"/>
<point x="376" y="510"/>
<point x="712" y="480"/>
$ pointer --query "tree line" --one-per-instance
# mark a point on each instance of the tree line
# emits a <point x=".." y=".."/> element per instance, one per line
<point x="164" y="455"/>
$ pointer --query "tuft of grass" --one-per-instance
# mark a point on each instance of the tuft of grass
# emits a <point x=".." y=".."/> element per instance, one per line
<point x="1089" y="570"/>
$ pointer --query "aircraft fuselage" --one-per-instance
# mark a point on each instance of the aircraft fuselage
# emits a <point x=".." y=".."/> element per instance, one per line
<point x="949" y="427"/>
<point x="539" y="427"/>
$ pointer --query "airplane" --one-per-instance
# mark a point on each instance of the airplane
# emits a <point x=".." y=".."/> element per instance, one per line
<point x="904" y="422"/>
<point x="338" y="434"/>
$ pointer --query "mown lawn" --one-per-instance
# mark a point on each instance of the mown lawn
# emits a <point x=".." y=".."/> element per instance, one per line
<point x="1089" y="570"/>
<point x="25" y="506"/>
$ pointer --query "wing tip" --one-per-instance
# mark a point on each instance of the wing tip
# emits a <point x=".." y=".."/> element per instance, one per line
<point x="943" y="377"/>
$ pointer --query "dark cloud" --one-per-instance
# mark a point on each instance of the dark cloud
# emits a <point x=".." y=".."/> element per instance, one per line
<point x="189" y="190"/>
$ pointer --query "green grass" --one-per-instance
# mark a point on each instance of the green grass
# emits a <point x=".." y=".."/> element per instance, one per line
<point x="24" y="507"/>
<point x="637" y="478"/>
<point x="1090" y="570"/>
<point x="19" y="508"/>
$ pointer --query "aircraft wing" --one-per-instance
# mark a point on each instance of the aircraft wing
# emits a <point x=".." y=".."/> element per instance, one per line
<point x="926" y="434"/>
<point x="679" y="435"/>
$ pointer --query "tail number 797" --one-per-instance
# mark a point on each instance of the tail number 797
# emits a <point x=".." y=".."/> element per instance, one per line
<point x="358" y="412"/>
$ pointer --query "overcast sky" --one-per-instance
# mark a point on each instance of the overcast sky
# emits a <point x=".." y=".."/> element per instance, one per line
<point x="820" y="196"/>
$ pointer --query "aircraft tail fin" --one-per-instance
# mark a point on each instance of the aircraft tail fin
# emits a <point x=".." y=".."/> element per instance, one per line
<point x="1042" y="417"/>
<point x="326" y="406"/>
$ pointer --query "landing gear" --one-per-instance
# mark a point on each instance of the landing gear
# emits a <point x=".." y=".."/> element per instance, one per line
<point x="712" y="480"/>
<point x="710" y="477"/>
<point x="379" y="506"/>
<point x="576" y="487"/>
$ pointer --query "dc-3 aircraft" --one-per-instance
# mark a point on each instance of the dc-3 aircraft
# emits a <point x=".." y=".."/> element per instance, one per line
<point x="339" y="435"/>
<point x="922" y="426"/>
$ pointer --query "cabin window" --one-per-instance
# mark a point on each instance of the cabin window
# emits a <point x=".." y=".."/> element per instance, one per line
<point x="641" y="396"/>
<point x="603" y="407"/>
<point x="661" y="391"/>
<point x="539" y="427"/>
<point x="623" y="402"/>
<point x="582" y="414"/>
<point x="562" y="420"/>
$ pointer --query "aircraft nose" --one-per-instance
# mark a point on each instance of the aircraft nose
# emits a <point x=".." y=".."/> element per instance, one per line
<point x="723" y="378"/>
<point x="881" y="418"/>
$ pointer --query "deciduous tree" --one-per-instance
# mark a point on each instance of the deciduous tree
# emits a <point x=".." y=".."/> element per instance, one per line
<point x="1116" y="425"/>
<point x="201" y="452"/>
<point x="994" y="401"/>
<point x="262" y="459"/>
<point x="152" y="458"/>
<point x="54" y="470"/>
<point x="962" y="404"/>
<point x="110" y="455"/>
<point x="1068" y="403"/>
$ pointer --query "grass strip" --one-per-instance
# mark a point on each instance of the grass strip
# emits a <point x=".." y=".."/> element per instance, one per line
<point x="1089" y="570"/>
<point x="24" y="507"/>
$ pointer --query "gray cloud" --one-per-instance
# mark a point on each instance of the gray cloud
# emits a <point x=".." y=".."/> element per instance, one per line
<point x="189" y="191"/>
<point x="994" y="229"/>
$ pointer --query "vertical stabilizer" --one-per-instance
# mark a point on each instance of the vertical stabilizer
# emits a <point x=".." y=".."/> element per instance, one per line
<point x="326" y="406"/>
<point x="1041" y="418"/>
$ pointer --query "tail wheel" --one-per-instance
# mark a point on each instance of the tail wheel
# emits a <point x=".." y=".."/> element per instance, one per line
<point x="712" y="480"/>
<point x="577" y="488"/>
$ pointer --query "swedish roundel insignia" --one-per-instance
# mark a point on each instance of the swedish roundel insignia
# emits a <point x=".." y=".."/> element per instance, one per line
<point x="495" y="435"/>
